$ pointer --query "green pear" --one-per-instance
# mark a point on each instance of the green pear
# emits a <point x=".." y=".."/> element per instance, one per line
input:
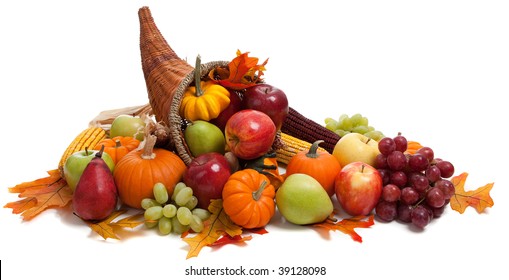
<point x="203" y="137"/>
<point x="302" y="200"/>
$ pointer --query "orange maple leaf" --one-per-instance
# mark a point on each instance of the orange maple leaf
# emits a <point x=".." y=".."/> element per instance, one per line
<point x="216" y="226"/>
<point x="108" y="228"/>
<point x="348" y="226"/>
<point x="479" y="198"/>
<point x="38" y="195"/>
<point x="243" y="72"/>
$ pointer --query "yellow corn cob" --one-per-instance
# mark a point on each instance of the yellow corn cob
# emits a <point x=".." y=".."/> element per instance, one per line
<point x="291" y="146"/>
<point x="88" y="138"/>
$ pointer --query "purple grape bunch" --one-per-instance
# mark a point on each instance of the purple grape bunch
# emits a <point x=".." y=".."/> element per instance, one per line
<point x="416" y="186"/>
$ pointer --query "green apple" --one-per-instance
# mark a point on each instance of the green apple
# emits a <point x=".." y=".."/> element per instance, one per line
<point x="127" y="125"/>
<point x="302" y="200"/>
<point x="356" y="147"/>
<point x="76" y="163"/>
<point x="204" y="137"/>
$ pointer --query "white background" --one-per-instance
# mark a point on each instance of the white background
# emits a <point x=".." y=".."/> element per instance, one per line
<point x="434" y="70"/>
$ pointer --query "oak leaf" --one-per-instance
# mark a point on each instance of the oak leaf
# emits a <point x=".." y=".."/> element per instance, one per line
<point x="215" y="227"/>
<point x="348" y="226"/>
<point x="108" y="228"/>
<point x="41" y="194"/>
<point x="243" y="72"/>
<point x="479" y="198"/>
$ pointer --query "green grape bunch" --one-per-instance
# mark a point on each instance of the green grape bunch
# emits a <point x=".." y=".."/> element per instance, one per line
<point x="177" y="213"/>
<point x="356" y="123"/>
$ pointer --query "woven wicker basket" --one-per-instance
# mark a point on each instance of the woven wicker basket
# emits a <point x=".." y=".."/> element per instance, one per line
<point x="167" y="78"/>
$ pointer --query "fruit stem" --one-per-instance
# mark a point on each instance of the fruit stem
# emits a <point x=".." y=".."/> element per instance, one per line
<point x="362" y="168"/>
<point x="332" y="219"/>
<point x="118" y="144"/>
<point x="312" y="153"/>
<point x="100" y="153"/>
<point x="197" y="78"/>
<point x="258" y="193"/>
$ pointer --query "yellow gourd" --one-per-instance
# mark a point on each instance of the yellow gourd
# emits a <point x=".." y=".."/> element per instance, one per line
<point x="205" y="100"/>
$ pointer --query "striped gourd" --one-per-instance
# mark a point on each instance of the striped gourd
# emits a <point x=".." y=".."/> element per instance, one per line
<point x="290" y="147"/>
<point x="88" y="138"/>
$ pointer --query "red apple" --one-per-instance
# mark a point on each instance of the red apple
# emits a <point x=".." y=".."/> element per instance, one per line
<point x="206" y="175"/>
<point x="234" y="106"/>
<point x="249" y="134"/>
<point x="358" y="188"/>
<point x="268" y="99"/>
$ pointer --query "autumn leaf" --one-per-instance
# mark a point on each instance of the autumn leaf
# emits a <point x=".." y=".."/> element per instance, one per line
<point x="243" y="71"/>
<point x="479" y="198"/>
<point x="108" y="228"/>
<point x="348" y="226"/>
<point x="38" y="195"/>
<point x="227" y="239"/>
<point x="260" y="231"/>
<point x="268" y="166"/>
<point x="215" y="227"/>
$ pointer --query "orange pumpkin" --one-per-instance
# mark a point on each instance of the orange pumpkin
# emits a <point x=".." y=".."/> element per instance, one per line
<point x="248" y="198"/>
<point x="118" y="146"/>
<point x="137" y="172"/>
<point x="320" y="165"/>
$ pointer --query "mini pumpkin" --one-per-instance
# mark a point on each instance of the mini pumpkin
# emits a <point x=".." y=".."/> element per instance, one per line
<point x="248" y="198"/>
<point x="118" y="146"/>
<point x="319" y="164"/>
<point x="137" y="172"/>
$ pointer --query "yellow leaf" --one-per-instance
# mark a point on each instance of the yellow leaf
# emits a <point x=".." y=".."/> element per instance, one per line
<point x="218" y="224"/>
<point x="40" y="194"/>
<point x="108" y="228"/>
<point x="479" y="198"/>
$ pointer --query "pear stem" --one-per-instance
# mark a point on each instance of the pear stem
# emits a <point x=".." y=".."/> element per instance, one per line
<point x="100" y="153"/>
<point x="258" y="193"/>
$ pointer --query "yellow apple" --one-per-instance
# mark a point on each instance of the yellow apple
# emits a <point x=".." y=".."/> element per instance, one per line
<point x="356" y="147"/>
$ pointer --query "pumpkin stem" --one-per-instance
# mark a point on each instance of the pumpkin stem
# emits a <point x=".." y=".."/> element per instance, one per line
<point x="118" y="144"/>
<point x="148" y="148"/>
<point x="197" y="78"/>
<point x="258" y="193"/>
<point x="312" y="153"/>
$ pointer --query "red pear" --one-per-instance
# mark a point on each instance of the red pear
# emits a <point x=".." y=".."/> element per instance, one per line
<point x="95" y="196"/>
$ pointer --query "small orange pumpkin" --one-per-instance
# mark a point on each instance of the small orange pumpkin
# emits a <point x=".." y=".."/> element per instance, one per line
<point x="320" y="165"/>
<point x="248" y="198"/>
<point x="137" y="172"/>
<point x="118" y="146"/>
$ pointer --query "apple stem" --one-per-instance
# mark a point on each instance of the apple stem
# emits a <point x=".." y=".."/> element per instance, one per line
<point x="369" y="139"/>
<point x="258" y="193"/>
<point x="362" y="168"/>
<point x="197" y="78"/>
<point x="312" y="153"/>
